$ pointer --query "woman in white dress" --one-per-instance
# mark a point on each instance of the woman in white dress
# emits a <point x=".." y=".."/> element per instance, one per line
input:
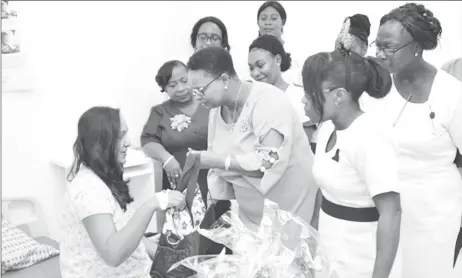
<point x="354" y="165"/>
<point x="267" y="61"/>
<point x="271" y="18"/>
<point x="425" y="110"/>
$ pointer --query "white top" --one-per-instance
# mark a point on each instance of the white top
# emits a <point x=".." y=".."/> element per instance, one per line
<point x="88" y="195"/>
<point x="295" y="95"/>
<point x="366" y="163"/>
<point x="427" y="146"/>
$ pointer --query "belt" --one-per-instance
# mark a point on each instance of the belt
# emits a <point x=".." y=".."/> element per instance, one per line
<point x="368" y="214"/>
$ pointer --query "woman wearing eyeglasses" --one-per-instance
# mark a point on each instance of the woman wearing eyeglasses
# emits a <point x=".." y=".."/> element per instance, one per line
<point x="257" y="148"/>
<point x="425" y="110"/>
<point x="209" y="31"/>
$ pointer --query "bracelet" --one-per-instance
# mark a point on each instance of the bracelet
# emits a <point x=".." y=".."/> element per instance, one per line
<point x="167" y="161"/>
<point x="162" y="198"/>
<point x="227" y="162"/>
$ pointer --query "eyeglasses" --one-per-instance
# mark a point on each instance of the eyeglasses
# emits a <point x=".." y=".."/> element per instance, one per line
<point x="200" y="90"/>
<point x="213" y="38"/>
<point x="389" y="51"/>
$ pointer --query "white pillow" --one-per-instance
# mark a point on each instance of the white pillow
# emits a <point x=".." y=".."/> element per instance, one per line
<point x="21" y="251"/>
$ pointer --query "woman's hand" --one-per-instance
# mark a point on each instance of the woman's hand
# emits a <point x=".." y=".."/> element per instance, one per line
<point x="173" y="170"/>
<point x="175" y="198"/>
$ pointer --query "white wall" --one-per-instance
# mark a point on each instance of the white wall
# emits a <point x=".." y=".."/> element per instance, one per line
<point x="107" y="53"/>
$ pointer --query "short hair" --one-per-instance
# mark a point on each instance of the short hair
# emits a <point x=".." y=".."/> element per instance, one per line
<point x="274" y="46"/>
<point x="98" y="135"/>
<point x="275" y="5"/>
<point x="213" y="60"/>
<point x="347" y="70"/>
<point x="165" y="73"/>
<point x="219" y="23"/>
<point x="419" y="22"/>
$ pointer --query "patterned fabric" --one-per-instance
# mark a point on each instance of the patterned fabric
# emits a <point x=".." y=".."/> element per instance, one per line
<point x="178" y="221"/>
<point x="88" y="195"/>
<point x="21" y="251"/>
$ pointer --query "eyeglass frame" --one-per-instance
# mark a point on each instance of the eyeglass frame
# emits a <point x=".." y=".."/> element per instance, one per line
<point x="202" y="89"/>
<point x="392" y="50"/>
<point x="326" y="91"/>
<point x="209" y="38"/>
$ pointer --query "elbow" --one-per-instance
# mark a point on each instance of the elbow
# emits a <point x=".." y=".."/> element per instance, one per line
<point x="112" y="258"/>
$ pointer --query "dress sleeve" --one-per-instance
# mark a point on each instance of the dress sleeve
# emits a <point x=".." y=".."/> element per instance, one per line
<point x="152" y="131"/>
<point x="376" y="161"/>
<point x="455" y="123"/>
<point x="91" y="196"/>
<point x="272" y="112"/>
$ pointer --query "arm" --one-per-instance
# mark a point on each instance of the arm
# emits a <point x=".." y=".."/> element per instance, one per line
<point x="455" y="131"/>
<point x="389" y="207"/>
<point x="151" y="142"/>
<point x="210" y="160"/>
<point x="317" y="208"/>
<point x="114" y="246"/>
<point x="151" y="137"/>
<point x="376" y="160"/>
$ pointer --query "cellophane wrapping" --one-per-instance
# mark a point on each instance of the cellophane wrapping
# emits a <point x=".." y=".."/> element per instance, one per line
<point x="283" y="247"/>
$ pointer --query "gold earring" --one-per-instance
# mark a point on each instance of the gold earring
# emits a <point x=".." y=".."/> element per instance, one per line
<point x="416" y="54"/>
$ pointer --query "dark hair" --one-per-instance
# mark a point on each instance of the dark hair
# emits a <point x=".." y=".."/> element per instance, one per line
<point x="274" y="46"/>
<point x="165" y="73"/>
<point x="360" y="26"/>
<point x="219" y="23"/>
<point x="96" y="147"/>
<point x="419" y="22"/>
<point x="275" y="5"/>
<point x="346" y="70"/>
<point x="213" y="60"/>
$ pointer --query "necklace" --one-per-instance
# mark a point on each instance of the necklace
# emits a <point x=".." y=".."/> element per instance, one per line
<point x="235" y="108"/>
<point x="402" y="109"/>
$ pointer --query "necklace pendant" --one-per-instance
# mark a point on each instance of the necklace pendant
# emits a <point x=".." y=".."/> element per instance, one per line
<point x="231" y="129"/>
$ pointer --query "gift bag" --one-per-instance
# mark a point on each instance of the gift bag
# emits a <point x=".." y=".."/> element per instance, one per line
<point x="176" y="244"/>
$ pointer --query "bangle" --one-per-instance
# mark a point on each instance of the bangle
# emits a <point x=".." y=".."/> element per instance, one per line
<point x="167" y="161"/>
<point x="227" y="162"/>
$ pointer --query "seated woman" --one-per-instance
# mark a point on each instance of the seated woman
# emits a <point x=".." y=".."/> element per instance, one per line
<point x="102" y="235"/>
<point x="257" y="148"/>
<point x="267" y="61"/>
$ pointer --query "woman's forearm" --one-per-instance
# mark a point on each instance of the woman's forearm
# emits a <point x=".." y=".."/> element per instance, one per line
<point x="156" y="151"/>
<point x="317" y="208"/>
<point x="388" y="233"/>
<point x="211" y="160"/>
<point x="123" y="243"/>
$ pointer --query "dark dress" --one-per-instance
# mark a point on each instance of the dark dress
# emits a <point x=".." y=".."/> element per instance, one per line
<point x="157" y="129"/>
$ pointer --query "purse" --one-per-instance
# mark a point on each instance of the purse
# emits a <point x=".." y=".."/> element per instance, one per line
<point x="171" y="247"/>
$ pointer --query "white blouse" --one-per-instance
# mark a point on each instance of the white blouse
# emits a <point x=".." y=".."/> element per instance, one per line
<point x="366" y="166"/>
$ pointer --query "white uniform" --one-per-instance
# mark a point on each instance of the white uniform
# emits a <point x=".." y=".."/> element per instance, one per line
<point x="366" y="167"/>
<point x="430" y="185"/>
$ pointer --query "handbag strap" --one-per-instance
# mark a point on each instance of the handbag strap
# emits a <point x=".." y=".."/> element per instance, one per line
<point x="188" y="180"/>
